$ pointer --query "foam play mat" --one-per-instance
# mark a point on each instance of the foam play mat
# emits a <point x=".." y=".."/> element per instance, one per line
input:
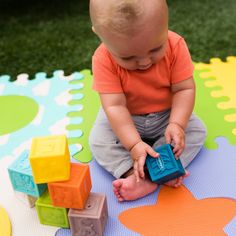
<point x="204" y="205"/>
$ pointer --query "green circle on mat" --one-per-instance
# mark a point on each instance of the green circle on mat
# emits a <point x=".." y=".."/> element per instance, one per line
<point x="16" y="112"/>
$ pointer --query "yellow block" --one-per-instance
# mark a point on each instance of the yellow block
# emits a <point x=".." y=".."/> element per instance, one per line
<point x="50" y="159"/>
<point x="5" y="224"/>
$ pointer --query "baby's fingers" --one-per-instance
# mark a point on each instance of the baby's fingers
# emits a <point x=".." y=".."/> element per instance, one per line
<point x="136" y="172"/>
<point x="151" y="152"/>
<point x="141" y="163"/>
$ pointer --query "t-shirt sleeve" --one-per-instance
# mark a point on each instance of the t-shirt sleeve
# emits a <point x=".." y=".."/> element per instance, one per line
<point x="105" y="78"/>
<point x="181" y="65"/>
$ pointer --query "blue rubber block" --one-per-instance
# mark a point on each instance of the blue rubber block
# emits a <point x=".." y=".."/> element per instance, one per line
<point x="102" y="183"/>
<point x="21" y="177"/>
<point x="165" y="167"/>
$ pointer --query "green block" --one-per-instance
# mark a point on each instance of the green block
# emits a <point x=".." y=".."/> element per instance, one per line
<point x="50" y="215"/>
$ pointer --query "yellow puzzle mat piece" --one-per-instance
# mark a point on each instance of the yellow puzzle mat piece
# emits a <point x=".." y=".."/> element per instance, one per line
<point x="223" y="76"/>
<point x="5" y="229"/>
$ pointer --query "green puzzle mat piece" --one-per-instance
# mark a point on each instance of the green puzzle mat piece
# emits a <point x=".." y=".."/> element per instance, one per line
<point x="91" y="104"/>
<point x="213" y="117"/>
<point x="223" y="79"/>
<point x="8" y="121"/>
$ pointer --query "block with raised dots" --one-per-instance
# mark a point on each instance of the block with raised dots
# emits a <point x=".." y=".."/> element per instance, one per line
<point x="165" y="167"/>
<point x="50" y="215"/>
<point x="21" y="177"/>
<point x="92" y="219"/>
<point x="74" y="192"/>
<point x="50" y="159"/>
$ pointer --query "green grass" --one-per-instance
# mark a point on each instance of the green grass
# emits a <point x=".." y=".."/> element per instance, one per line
<point x="40" y="35"/>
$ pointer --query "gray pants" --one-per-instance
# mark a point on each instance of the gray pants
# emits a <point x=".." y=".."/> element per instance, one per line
<point x="112" y="156"/>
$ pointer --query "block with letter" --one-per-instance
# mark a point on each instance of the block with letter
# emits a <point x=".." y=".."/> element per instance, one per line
<point x="50" y="215"/>
<point x="92" y="219"/>
<point x="74" y="192"/>
<point x="50" y="159"/>
<point x="165" y="167"/>
<point x="21" y="177"/>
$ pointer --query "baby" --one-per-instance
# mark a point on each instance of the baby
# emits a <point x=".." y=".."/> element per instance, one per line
<point x="144" y="75"/>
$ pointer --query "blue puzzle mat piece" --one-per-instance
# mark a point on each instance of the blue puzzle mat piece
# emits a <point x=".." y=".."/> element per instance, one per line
<point x="213" y="174"/>
<point x="41" y="90"/>
<point x="230" y="229"/>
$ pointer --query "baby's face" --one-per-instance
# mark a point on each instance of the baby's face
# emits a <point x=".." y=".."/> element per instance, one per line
<point x="140" y="51"/>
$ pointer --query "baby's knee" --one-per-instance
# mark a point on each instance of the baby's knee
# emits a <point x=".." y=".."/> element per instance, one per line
<point x="202" y="131"/>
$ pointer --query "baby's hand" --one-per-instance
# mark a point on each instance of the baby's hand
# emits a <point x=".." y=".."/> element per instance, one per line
<point x="138" y="154"/>
<point x="175" y="136"/>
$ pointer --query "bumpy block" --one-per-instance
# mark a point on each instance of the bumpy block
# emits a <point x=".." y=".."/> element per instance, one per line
<point x="74" y="192"/>
<point x="165" y="167"/>
<point x="91" y="220"/>
<point x="50" y="215"/>
<point x="26" y="199"/>
<point x="21" y="177"/>
<point x="50" y="159"/>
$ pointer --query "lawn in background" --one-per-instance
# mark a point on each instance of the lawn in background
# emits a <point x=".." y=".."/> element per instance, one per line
<point x="42" y="35"/>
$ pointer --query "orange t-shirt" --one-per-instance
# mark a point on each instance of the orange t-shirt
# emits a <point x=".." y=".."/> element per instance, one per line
<point x="146" y="91"/>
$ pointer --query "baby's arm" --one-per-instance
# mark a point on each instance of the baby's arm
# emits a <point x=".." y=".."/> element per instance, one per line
<point x="122" y="124"/>
<point x="181" y="110"/>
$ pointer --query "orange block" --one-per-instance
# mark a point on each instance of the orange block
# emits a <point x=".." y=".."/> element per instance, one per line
<point x="74" y="192"/>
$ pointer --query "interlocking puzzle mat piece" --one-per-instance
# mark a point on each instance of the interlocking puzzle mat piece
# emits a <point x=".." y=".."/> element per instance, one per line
<point x="213" y="117"/>
<point x="24" y="220"/>
<point x="223" y="76"/>
<point x="5" y="224"/>
<point x="177" y="212"/>
<point x="91" y="104"/>
<point x="43" y="106"/>
<point x="212" y="173"/>
<point x="222" y="84"/>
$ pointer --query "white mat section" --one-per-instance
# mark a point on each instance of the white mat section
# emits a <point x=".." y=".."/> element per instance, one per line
<point x="24" y="220"/>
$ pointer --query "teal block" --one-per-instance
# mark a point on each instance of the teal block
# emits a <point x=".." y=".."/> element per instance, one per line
<point x="50" y="215"/>
<point x="21" y="177"/>
<point x="165" y="167"/>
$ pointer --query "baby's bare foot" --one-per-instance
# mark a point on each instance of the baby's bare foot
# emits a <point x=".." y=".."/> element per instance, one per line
<point x="129" y="189"/>
<point x="177" y="182"/>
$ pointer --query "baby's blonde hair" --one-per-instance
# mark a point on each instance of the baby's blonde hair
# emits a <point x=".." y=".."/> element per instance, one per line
<point x="120" y="16"/>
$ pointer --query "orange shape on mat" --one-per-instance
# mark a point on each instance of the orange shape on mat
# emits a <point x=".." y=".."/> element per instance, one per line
<point x="178" y="213"/>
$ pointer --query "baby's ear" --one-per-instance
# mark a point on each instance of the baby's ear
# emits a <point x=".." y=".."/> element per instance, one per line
<point x="93" y="29"/>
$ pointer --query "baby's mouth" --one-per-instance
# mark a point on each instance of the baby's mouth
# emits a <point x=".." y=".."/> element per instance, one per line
<point x="145" y="67"/>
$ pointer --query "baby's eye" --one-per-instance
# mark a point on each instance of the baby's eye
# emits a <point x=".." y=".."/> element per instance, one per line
<point x="156" y="49"/>
<point x="127" y="58"/>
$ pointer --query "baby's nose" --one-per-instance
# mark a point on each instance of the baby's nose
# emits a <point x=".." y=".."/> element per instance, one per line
<point x="144" y="61"/>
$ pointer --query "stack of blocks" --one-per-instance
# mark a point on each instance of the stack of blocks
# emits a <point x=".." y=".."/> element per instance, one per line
<point x="62" y="188"/>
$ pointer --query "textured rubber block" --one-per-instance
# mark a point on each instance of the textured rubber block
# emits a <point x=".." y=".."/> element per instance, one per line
<point x="21" y="177"/>
<point x="50" y="215"/>
<point x="92" y="218"/>
<point x="74" y="192"/>
<point x="166" y="167"/>
<point x="50" y="159"/>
